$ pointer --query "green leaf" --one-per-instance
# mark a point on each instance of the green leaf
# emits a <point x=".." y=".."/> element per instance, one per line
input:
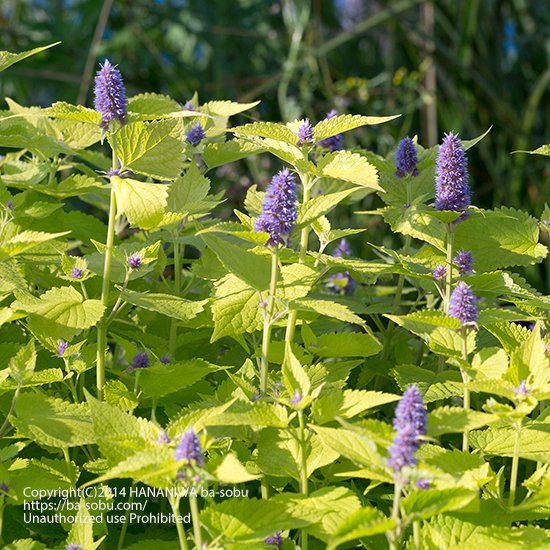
<point x="142" y="203"/>
<point x="78" y="113"/>
<point x="218" y="154"/>
<point x="345" y="344"/>
<point x="7" y="59"/>
<point x="23" y="364"/>
<point x="348" y="404"/>
<point x="500" y="238"/>
<point x="81" y="532"/>
<point x="232" y="471"/>
<point x="319" y="206"/>
<point x="117" y="394"/>
<point x="343" y="123"/>
<point x="236" y="308"/>
<point x="187" y="192"/>
<point x="53" y="422"/>
<point x="294" y="375"/>
<point x="251" y="268"/>
<point x="445" y="420"/>
<point x="351" y="167"/>
<point x="149" y="148"/>
<point x="363" y="523"/>
<point x="227" y="108"/>
<point x="246" y="520"/>
<point x="423" y="504"/>
<point x="152" y="104"/>
<point x="165" y="304"/>
<point x="272" y="130"/>
<point x="542" y="150"/>
<point x="26" y="241"/>
<point x="161" y="380"/>
<point x="60" y="312"/>
<point x="327" y="308"/>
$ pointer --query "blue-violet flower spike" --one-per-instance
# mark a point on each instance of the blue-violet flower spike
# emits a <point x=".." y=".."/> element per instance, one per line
<point x="279" y="208"/>
<point x="110" y="95"/>
<point x="77" y="273"/>
<point x="406" y="158"/>
<point x="451" y="182"/>
<point x="196" y="134"/>
<point x="462" y="305"/>
<point x="134" y="261"/>
<point x="62" y="347"/>
<point x="189" y="448"/>
<point x="439" y="273"/>
<point x="140" y="360"/>
<point x="410" y="423"/>
<point x="333" y="143"/>
<point x="305" y="133"/>
<point x="275" y="540"/>
<point x="464" y="261"/>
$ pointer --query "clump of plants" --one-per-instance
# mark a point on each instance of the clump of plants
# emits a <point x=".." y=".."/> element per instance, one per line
<point x="171" y="379"/>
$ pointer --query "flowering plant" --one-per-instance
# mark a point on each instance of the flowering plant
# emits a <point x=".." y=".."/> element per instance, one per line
<point x="146" y="343"/>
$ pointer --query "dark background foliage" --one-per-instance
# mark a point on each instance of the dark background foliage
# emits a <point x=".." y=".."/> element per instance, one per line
<point x="490" y="67"/>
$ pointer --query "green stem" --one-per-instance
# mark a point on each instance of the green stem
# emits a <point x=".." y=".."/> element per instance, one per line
<point x="125" y="524"/>
<point x="449" y="279"/>
<point x="304" y="489"/>
<point x="393" y="536"/>
<point x="466" y="391"/>
<point x="304" y="238"/>
<point x="102" y="325"/>
<point x="268" y="319"/>
<point x="416" y="535"/>
<point x="4" y="428"/>
<point x="175" y="504"/>
<point x="172" y="346"/>
<point x="515" y="466"/>
<point x="196" y="521"/>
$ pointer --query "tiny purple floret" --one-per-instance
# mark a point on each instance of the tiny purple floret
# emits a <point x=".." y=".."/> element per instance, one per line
<point x="305" y="133"/>
<point x="163" y="437"/>
<point x="196" y="134"/>
<point x="77" y="273"/>
<point x="134" y="261"/>
<point x="165" y="359"/>
<point x="275" y="540"/>
<point x="140" y="361"/>
<point x="189" y="448"/>
<point x="62" y="347"/>
<point x="423" y="484"/>
<point x="439" y="273"/>
<point x="296" y="398"/>
<point x="464" y="261"/>
<point x="73" y="546"/>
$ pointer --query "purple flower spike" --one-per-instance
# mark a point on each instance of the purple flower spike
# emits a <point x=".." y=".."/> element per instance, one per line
<point x="189" y="448"/>
<point x="110" y="95"/>
<point x="163" y="437"/>
<point x="62" y="347"/>
<point x="451" y="182"/>
<point x="439" y="273"/>
<point x="465" y="262"/>
<point x="188" y="105"/>
<point x="333" y="143"/>
<point x="196" y="134"/>
<point x="406" y="158"/>
<point x="296" y="398"/>
<point x="462" y="305"/>
<point x="279" y="208"/>
<point x="73" y="546"/>
<point x="275" y="540"/>
<point x="140" y="361"/>
<point x="410" y="423"/>
<point x="134" y="261"/>
<point x="342" y="250"/>
<point x="165" y="359"/>
<point x="305" y="133"/>
<point x="77" y="273"/>
<point x="423" y="484"/>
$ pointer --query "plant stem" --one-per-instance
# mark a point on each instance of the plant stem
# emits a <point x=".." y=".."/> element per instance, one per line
<point x="125" y="524"/>
<point x="416" y="535"/>
<point x="196" y="521"/>
<point x="303" y="470"/>
<point x="3" y="429"/>
<point x="449" y="279"/>
<point x="394" y="536"/>
<point x="304" y="238"/>
<point x="175" y="504"/>
<point x="173" y="342"/>
<point x="466" y="391"/>
<point x="102" y="325"/>
<point x="268" y="319"/>
<point x="515" y="465"/>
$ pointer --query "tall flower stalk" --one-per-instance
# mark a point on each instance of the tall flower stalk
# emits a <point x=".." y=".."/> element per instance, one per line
<point x="111" y="102"/>
<point x="462" y="306"/>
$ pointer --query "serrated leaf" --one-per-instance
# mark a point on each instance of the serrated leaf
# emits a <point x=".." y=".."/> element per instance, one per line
<point x="66" y="111"/>
<point x="53" y="422"/>
<point x="165" y="304"/>
<point x="294" y="375"/>
<point x="327" y="308"/>
<point x="542" y="150"/>
<point x="142" y="203"/>
<point x="343" y="123"/>
<point x="227" y="108"/>
<point x="218" y="154"/>
<point x="150" y="148"/>
<point x="187" y="192"/>
<point x="152" y="104"/>
<point x="319" y="206"/>
<point x="23" y="364"/>
<point x="422" y="505"/>
<point x="7" y="59"/>
<point x="351" y="167"/>
<point x="345" y="344"/>
<point x="444" y="420"/>
<point x="26" y="241"/>
<point x="272" y="130"/>
<point x="232" y="471"/>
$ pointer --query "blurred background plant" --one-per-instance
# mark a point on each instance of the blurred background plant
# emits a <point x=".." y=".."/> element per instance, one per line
<point x="445" y="65"/>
